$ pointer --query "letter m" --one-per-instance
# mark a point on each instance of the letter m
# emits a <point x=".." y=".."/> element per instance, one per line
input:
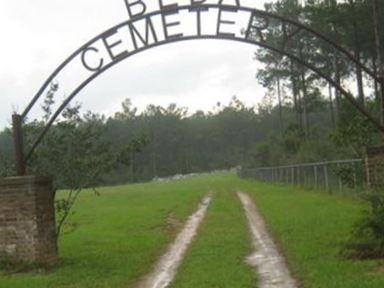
<point x="150" y="33"/>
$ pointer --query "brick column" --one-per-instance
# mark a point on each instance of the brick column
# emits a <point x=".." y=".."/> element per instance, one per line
<point x="27" y="220"/>
<point x="375" y="167"/>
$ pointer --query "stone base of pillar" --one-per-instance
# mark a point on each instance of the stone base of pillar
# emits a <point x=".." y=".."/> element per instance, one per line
<point x="27" y="221"/>
<point x="375" y="167"/>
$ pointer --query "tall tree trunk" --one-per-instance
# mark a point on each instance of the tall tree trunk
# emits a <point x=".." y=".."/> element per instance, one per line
<point x="154" y="164"/>
<point x="278" y="87"/>
<point x="305" y="94"/>
<point x="132" y="166"/>
<point x="305" y="102"/>
<point x="357" y="48"/>
<point x="379" y="56"/>
<point x="376" y="85"/>
<point x="296" y="103"/>
<point x="331" y="106"/>
<point x="153" y="155"/>
<point x="332" y="4"/>
<point x="360" y="83"/>
<point x="300" y="107"/>
<point x="336" y="67"/>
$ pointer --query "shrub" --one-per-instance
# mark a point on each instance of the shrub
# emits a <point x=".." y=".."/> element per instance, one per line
<point x="367" y="239"/>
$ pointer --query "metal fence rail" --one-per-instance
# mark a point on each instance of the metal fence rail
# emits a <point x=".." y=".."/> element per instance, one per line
<point x="333" y="176"/>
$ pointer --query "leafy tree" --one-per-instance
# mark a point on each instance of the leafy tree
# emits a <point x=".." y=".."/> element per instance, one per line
<point x="75" y="154"/>
<point x="355" y="131"/>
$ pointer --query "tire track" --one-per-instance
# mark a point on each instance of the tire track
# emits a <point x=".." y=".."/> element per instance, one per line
<point x="267" y="261"/>
<point x="166" y="268"/>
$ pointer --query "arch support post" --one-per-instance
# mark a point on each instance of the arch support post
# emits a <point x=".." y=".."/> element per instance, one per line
<point x="18" y="144"/>
<point x="27" y="221"/>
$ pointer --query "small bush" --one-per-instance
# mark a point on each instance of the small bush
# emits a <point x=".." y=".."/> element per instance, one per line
<point x="367" y="239"/>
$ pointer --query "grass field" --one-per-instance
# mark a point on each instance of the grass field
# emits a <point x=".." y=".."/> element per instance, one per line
<point x="310" y="228"/>
<point x="121" y="233"/>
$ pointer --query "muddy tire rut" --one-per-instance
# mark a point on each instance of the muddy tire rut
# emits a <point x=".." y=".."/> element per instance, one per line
<point x="269" y="265"/>
<point x="166" y="268"/>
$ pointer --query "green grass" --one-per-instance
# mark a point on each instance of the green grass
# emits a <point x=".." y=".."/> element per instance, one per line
<point x="120" y="235"/>
<point x="310" y="228"/>
<point x="217" y="257"/>
<point x="122" y="232"/>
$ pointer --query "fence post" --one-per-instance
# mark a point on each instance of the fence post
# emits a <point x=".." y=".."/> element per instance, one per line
<point x="286" y="175"/>
<point x="339" y="179"/>
<point x="325" y="169"/>
<point x="315" y="175"/>
<point x="305" y="177"/>
<point x="298" y="176"/>
<point x="354" y="177"/>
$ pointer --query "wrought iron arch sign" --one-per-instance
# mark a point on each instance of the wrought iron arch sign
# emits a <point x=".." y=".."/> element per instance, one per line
<point x="147" y="29"/>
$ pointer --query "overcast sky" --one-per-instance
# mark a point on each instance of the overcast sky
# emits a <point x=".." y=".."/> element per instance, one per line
<point x="37" y="35"/>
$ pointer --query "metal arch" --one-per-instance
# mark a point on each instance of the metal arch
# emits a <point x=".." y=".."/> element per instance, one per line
<point x="208" y="6"/>
<point x="339" y="48"/>
<point x="350" y="98"/>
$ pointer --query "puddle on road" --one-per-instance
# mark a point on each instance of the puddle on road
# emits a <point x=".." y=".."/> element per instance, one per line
<point x="269" y="264"/>
<point x="166" y="268"/>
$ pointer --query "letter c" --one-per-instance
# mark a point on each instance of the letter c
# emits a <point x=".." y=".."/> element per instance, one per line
<point x="86" y="65"/>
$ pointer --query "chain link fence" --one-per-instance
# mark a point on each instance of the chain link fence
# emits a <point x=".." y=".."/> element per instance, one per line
<point x="342" y="176"/>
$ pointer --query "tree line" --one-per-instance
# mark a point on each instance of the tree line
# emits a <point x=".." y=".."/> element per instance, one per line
<point x="164" y="141"/>
<point x="301" y="119"/>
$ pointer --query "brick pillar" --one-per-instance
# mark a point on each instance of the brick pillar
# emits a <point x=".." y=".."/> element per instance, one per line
<point x="27" y="220"/>
<point x="375" y="167"/>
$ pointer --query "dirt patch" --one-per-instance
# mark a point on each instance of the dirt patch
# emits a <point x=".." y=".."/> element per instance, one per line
<point x="173" y="224"/>
<point x="378" y="270"/>
<point x="166" y="268"/>
<point x="268" y="263"/>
